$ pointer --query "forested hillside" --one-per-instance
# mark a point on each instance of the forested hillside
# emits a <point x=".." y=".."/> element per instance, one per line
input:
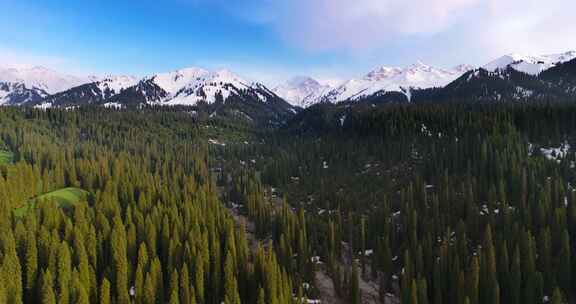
<point x="119" y="207"/>
<point x="434" y="204"/>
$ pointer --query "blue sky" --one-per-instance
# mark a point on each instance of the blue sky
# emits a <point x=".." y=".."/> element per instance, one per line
<point x="271" y="40"/>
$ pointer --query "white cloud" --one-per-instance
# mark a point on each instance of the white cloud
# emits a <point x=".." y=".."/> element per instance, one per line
<point x="529" y="26"/>
<point x="361" y="24"/>
<point x="494" y="26"/>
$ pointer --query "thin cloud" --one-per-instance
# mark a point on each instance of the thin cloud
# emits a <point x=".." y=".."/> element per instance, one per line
<point x="370" y="25"/>
<point x="364" y="24"/>
<point x="16" y="58"/>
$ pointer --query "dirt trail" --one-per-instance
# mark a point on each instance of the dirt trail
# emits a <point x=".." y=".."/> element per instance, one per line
<point x="323" y="281"/>
<point x="249" y="228"/>
<point x="326" y="287"/>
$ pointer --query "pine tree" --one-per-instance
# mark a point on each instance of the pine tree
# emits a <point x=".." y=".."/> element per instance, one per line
<point x="261" y="296"/>
<point x="105" y="291"/>
<point x="515" y="278"/>
<point x="11" y="270"/>
<point x="48" y="295"/>
<point x="31" y="265"/>
<point x="355" y="296"/>
<point x="120" y="263"/>
<point x="565" y="265"/>
<point x="230" y="283"/>
<point x="184" y="287"/>
<point x="149" y="292"/>
<point x="3" y="296"/>
<point x="422" y="291"/>
<point x="64" y="273"/>
<point x="556" y="297"/>
<point x="473" y="281"/>
<point x="414" y="293"/>
<point x="81" y="295"/>
<point x="199" y="279"/>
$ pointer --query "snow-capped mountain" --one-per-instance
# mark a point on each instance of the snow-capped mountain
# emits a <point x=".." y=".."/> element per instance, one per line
<point x="90" y="93"/>
<point x="511" y="77"/>
<point x="302" y="91"/>
<point x="31" y="84"/>
<point x="112" y="85"/>
<point x="14" y="93"/>
<point x="222" y="92"/>
<point x="42" y="78"/>
<point x="188" y="86"/>
<point x="528" y="64"/>
<point x="192" y="85"/>
<point x="394" y="79"/>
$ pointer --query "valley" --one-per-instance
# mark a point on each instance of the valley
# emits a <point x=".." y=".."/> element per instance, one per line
<point x="287" y="152"/>
<point x="200" y="187"/>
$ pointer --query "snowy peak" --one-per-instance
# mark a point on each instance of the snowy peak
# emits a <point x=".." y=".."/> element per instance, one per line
<point x="529" y="64"/>
<point x="417" y="75"/>
<point x="112" y="85"/>
<point x="14" y="93"/>
<point x="192" y="85"/>
<point x="395" y="79"/>
<point x="463" y="68"/>
<point x="303" y="81"/>
<point x="172" y="82"/>
<point x="41" y="78"/>
<point x="302" y="91"/>
<point x="382" y="73"/>
<point x="187" y="86"/>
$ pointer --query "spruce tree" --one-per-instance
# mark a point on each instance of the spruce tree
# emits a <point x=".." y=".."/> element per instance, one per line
<point x="230" y="284"/>
<point x="355" y="296"/>
<point x="48" y="295"/>
<point x="120" y="263"/>
<point x="105" y="291"/>
<point x="64" y="273"/>
<point x="556" y="297"/>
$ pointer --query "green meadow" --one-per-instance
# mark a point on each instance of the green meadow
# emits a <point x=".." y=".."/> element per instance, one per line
<point x="64" y="198"/>
<point x="6" y="157"/>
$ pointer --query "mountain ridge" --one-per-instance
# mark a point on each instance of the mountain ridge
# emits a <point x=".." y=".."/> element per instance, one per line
<point x="510" y="77"/>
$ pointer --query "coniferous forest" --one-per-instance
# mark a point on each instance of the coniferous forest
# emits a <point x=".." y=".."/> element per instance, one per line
<point x="342" y="204"/>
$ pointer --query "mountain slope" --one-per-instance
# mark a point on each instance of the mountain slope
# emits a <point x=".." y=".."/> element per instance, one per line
<point x="42" y="78"/>
<point x="563" y="75"/>
<point x="556" y="84"/>
<point x="194" y="85"/>
<point x="90" y="93"/>
<point x="302" y="91"/>
<point x="16" y="93"/>
<point x="481" y="85"/>
<point x="30" y="85"/>
<point x="217" y="92"/>
<point x="386" y="79"/>
<point x="529" y="64"/>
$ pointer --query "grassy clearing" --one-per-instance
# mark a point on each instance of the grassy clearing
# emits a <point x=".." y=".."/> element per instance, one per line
<point x="6" y="157"/>
<point x="64" y="198"/>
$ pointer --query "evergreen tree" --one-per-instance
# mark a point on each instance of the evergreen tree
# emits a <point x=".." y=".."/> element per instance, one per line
<point x="230" y="283"/>
<point x="556" y="297"/>
<point x="564" y="262"/>
<point x="48" y="295"/>
<point x="64" y="273"/>
<point x="118" y="246"/>
<point x="355" y="296"/>
<point x="105" y="292"/>
<point x="174" y="289"/>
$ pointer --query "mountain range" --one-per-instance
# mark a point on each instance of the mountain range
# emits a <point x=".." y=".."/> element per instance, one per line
<point x="509" y="77"/>
<point x="30" y="84"/>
